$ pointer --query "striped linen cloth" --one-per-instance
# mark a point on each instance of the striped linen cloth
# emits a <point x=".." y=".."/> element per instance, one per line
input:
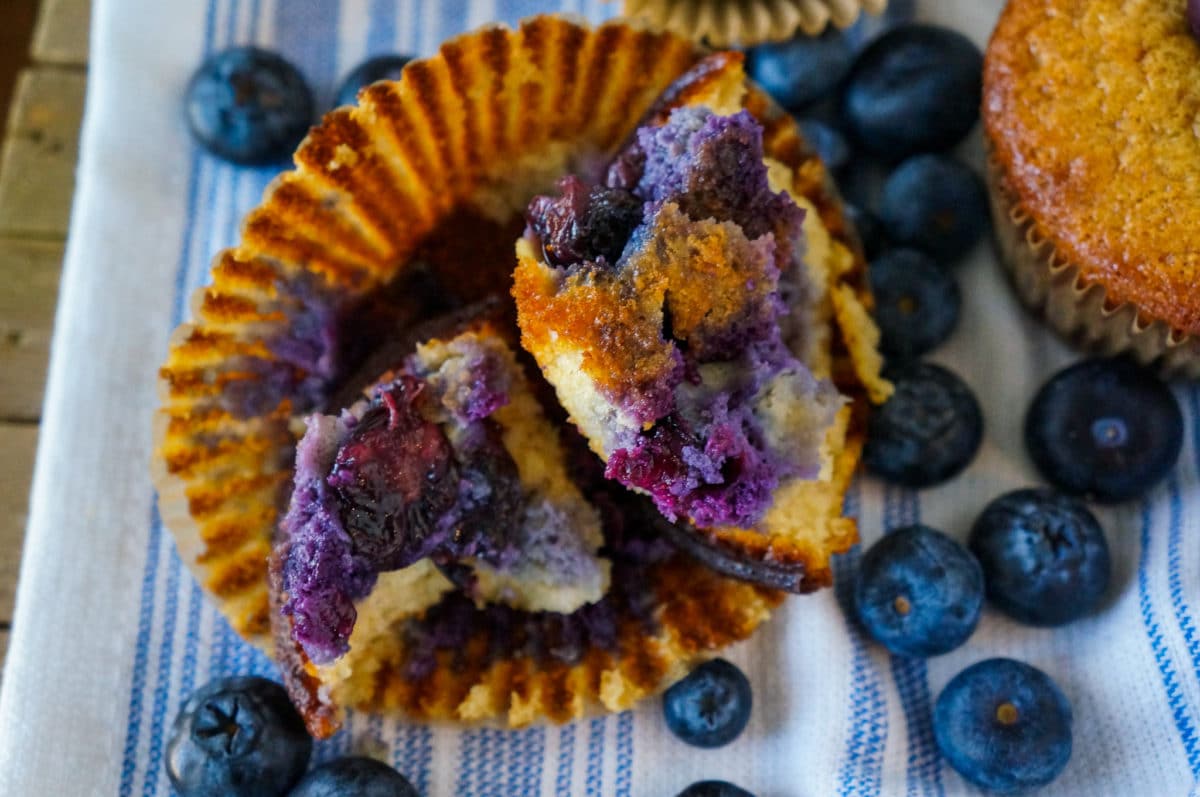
<point x="111" y="632"/>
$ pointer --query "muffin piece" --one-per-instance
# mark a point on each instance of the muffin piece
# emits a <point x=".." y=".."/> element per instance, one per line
<point x="657" y="316"/>
<point x="671" y="308"/>
<point x="449" y="459"/>
<point x="1090" y="112"/>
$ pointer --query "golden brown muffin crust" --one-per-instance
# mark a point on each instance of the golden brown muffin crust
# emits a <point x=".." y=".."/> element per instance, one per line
<point x="1092" y="108"/>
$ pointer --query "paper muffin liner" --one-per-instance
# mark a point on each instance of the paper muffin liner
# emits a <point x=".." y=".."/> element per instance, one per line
<point x="742" y="23"/>
<point x="381" y="195"/>
<point x="1051" y="285"/>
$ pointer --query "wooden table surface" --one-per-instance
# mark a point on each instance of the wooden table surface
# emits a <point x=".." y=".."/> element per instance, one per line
<point x="37" y="171"/>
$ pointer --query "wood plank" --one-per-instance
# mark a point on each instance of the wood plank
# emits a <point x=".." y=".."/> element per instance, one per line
<point x="29" y="270"/>
<point x="18" y="444"/>
<point x="61" y="36"/>
<point x="37" y="167"/>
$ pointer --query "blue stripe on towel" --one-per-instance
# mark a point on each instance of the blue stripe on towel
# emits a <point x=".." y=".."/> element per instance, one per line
<point x="1181" y="712"/>
<point x="624" y="776"/>
<point x="424" y="762"/>
<point x="166" y="655"/>
<point x="862" y="758"/>
<point x="1183" y="613"/>
<point x="924" y="765"/>
<point x="595" y="756"/>
<point x="566" y="760"/>
<point x="191" y="642"/>
<point x="140" y="656"/>
<point x="381" y="30"/>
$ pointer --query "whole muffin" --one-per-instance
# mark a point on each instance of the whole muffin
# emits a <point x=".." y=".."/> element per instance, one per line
<point x="1090" y="109"/>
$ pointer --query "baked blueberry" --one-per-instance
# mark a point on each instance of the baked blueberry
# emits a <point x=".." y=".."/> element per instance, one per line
<point x="583" y="223"/>
<point x="1004" y="726"/>
<point x="714" y="788"/>
<point x="928" y="431"/>
<point x="802" y="70"/>
<point x="916" y="302"/>
<point x="711" y="706"/>
<point x="379" y="67"/>
<point x="357" y="776"/>
<point x="829" y="144"/>
<point x="936" y="204"/>
<point x="1044" y="557"/>
<point x="237" y="737"/>
<point x="919" y="593"/>
<point x="869" y="229"/>
<point x="915" y="89"/>
<point x="1193" y="15"/>
<point x="248" y="105"/>
<point x="1107" y="429"/>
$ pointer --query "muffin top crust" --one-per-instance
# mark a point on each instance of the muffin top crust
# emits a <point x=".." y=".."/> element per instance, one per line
<point x="1092" y="109"/>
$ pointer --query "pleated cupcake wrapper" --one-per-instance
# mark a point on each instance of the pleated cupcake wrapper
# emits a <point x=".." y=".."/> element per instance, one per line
<point x="492" y="119"/>
<point x="730" y="23"/>
<point x="1051" y="285"/>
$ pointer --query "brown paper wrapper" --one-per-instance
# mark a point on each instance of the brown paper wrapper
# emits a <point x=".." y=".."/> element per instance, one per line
<point x="382" y="192"/>
<point x="1051" y="285"/>
<point x="742" y="23"/>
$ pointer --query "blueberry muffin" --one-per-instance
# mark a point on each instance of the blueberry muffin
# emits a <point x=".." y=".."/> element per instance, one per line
<point x="1090" y="109"/>
<point x="511" y="580"/>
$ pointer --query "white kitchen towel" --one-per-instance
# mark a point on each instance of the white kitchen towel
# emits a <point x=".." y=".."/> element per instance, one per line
<point x="111" y="633"/>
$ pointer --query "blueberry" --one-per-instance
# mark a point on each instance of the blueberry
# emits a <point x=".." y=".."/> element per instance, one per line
<point x="936" y="204"/>
<point x="711" y="706"/>
<point x="1004" y="726"/>
<point x="360" y="777"/>
<point x="869" y="229"/>
<point x="919" y="593"/>
<point x="237" y="737"/>
<point x="584" y="224"/>
<point x="714" y="788"/>
<point x="915" y="89"/>
<point x="248" y="105"/>
<point x="1044" y="557"/>
<point x="870" y="27"/>
<point x="1193" y="16"/>
<point x="380" y="67"/>
<point x="928" y="431"/>
<point x="829" y="144"/>
<point x="916" y="302"/>
<point x="802" y="70"/>
<point x="1108" y="429"/>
